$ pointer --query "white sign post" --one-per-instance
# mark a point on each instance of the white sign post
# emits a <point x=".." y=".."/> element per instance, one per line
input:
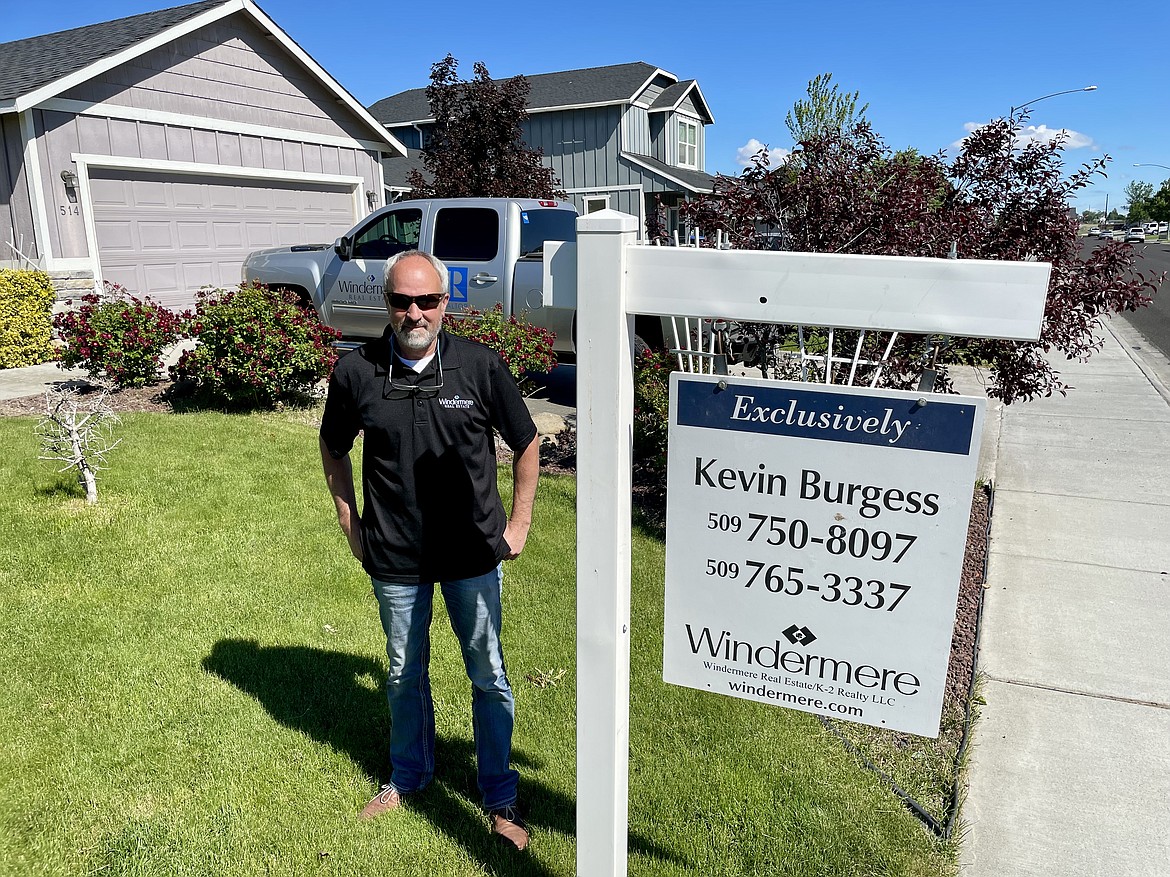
<point x="814" y="545"/>
<point x="616" y="278"/>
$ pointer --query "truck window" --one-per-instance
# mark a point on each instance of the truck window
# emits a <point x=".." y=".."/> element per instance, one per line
<point x="538" y="226"/>
<point x="467" y="234"/>
<point x="390" y="233"/>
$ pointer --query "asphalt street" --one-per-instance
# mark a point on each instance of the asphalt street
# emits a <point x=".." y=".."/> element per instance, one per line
<point x="1153" y="322"/>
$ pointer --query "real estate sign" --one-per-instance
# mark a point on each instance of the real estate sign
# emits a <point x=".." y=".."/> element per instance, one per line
<point x="814" y="544"/>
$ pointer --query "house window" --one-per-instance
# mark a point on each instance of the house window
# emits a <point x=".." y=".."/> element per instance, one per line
<point x="593" y="203"/>
<point x="688" y="144"/>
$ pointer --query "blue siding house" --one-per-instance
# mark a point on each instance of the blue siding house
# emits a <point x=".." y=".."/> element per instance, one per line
<point x="616" y="136"/>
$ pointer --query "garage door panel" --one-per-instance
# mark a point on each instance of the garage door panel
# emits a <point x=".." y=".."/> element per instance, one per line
<point x="319" y="232"/>
<point x="188" y="195"/>
<point x="193" y="235"/>
<point x="116" y="236"/>
<point x="256" y="199"/>
<point x="156" y="235"/>
<point x="224" y="198"/>
<point x="287" y="200"/>
<point x="199" y="274"/>
<point x="127" y="276"/>
<point x="167" y="235"/>
<point x="259" y="235"/>
<point x="108" y="192"/>
<point x="229" y="235"/>
<point x="147" y="193"/>
<point x="159" y="280"/>
<point x="290" y="233"/>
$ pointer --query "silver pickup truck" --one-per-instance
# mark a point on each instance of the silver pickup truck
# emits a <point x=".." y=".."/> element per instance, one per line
<point x="493" y="247"/>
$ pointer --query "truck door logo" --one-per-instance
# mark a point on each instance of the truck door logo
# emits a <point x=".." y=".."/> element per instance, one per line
<point x="458" y="283"/>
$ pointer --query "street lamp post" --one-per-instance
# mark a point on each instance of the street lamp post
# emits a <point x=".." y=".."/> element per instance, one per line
<point x="1046" y="96"/>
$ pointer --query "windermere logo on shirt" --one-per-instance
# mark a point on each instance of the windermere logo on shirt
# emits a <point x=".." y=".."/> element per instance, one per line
<point x="456" y="402"/>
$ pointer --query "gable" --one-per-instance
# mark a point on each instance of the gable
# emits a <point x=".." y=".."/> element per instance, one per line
<point x="33" y="63"/>
<point x="226" y="70"/>
<point x="112" y="52"/>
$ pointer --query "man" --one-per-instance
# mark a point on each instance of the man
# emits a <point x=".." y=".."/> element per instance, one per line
<point x="427" y="402"/>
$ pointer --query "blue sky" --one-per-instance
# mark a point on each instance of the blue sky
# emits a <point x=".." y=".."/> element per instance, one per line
<point x="929" y="71"/>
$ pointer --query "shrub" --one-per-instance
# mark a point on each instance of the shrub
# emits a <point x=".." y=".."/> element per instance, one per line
<point x="522" y="346"/>
<point x="26" y="322"/>
<point x="256" y="348"/>
<point x="118" y="337"/>
<point x="652" y="370"/>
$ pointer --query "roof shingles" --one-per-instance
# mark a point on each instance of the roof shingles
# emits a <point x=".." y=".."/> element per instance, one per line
<point x="30" y="64"/>
<point x="590" y="85"/>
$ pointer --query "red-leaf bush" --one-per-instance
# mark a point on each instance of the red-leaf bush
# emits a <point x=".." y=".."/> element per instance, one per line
<point x="257" y="348"/>
<point x="118" y="337"/>
<point x="652" y="370"/>
<point x="522" y="346"/>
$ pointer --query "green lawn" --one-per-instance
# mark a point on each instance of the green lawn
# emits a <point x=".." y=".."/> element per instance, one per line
<point x="190" y="683"/>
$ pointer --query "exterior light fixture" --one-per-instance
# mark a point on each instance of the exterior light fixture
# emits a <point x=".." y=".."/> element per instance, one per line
<point x="372" y="199"/>
<point x="69" y="178"/>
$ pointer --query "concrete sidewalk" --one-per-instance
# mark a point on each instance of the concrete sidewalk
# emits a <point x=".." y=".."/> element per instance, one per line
<point x="35" y="379"/>
<point x="1070" y="767"/>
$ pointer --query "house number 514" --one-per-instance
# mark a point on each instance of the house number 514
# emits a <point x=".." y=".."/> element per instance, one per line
<point x="70" y="210"/>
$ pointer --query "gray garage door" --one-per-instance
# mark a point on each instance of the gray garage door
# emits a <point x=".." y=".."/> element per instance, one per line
<point x="166" y="236"/>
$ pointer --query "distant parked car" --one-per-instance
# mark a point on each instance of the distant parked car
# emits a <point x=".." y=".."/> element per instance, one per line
<point x="1094" y="231"/>
<point x="1136" y="235"/>
<point x="1105" y="234"/>
<point x="1162" y="227"/>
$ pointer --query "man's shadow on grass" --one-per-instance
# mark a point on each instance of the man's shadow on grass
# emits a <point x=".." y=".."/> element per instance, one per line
<point x="339" y="699"/>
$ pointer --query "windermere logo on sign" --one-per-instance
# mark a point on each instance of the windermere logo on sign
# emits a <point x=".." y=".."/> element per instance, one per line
<point x="828" y="416"/>
<point x="814" y="542"/>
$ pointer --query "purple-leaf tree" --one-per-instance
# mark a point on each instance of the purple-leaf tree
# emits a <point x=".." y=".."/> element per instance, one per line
<point x="476" y="147"/>
<point x="847" y="192"/>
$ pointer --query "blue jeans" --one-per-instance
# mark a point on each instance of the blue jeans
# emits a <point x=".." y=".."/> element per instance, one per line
<point x="474" y="608"/>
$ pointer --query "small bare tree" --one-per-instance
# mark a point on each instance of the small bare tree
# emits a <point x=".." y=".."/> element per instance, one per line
<point x="78" y="433"/>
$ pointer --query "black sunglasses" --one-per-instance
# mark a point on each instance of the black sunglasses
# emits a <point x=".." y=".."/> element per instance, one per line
<point x="425" y="302"/>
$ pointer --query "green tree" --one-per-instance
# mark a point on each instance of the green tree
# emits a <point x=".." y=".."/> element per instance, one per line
<point x="1159" y="203"/>
<point x="1138" y="195"/>
<point x="476" y="147"/>
<point x="827" y="111"/>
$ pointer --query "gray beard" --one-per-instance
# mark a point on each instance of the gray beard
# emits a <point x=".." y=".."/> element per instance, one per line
<point x="403" y="337"/>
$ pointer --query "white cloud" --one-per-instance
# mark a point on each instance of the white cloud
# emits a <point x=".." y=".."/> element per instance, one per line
<point x="1037" y="134"/>
<point x="776" y="157"/>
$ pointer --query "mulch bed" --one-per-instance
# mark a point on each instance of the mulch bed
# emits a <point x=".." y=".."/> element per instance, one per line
<point x="129" y="401"/>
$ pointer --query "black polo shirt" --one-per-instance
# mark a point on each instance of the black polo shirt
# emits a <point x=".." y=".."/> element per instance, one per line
<point x="432" y="511"/>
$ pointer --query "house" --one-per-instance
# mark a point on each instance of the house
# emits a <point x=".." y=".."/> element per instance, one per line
<point x="616" y="136"/>
<point x="156" y="151"/>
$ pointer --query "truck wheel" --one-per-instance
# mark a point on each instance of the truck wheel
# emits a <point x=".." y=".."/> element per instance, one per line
<point x="303" y="298"/>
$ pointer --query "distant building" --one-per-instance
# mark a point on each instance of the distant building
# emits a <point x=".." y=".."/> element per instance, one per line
<point x="615" y="136"/>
